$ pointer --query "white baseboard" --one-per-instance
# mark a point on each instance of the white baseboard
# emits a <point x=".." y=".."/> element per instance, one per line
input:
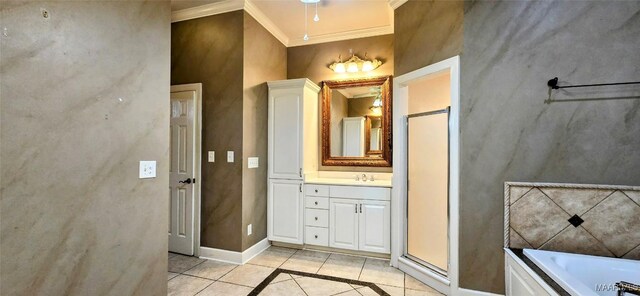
<point x="467" y="292"/>
<point x="234" y="257"/>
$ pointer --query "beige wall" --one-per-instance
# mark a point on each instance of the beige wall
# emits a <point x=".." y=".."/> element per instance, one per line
<point x="312" y="61"/>
<point x="264" y="60"/>
<point x="433" y="93"/>
<point x="208" y="50"/>
<point x="76" y="219"/>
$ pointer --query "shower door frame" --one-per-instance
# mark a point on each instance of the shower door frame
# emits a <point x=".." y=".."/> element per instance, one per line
<point x="447" y="284"/>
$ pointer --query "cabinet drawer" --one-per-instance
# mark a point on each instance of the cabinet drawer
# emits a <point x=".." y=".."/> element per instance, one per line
<point x="315" y="202"/>
<point x="316" y="236"/>
<point x="315" y="217"/>
<point x="316" y="190"/>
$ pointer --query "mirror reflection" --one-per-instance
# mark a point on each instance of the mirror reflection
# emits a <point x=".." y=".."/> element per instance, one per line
<point x="356" y="122"/>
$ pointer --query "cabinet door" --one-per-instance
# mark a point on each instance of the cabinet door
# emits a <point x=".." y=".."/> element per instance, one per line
<point x="285" y="208"/>
<point x="285" y="134"/>
<point x="343" y="224"/>
<point x="375" y="226"/>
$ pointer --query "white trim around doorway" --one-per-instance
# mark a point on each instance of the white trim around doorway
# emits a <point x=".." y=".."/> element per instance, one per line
<point x="447" y="285"/>
<point x="197" y="160"/>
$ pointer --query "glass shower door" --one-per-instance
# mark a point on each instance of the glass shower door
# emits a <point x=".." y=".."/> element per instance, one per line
<point x="427" y="220"/>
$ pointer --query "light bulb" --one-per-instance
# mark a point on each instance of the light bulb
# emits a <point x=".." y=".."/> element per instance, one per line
<point x="306" y="37"/>
<point x="339" y="68"/>
<point x="352" y="67"/>
<point x="367" y="66"/>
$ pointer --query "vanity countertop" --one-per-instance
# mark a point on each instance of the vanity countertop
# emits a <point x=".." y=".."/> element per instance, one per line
<point x="349" y="182"/>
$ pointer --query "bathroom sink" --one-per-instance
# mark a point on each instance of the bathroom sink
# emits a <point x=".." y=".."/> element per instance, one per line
<point x="350" y="182"/>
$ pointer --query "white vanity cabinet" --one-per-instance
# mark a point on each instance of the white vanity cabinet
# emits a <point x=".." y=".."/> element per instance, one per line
<point x="344" y="223"/>
<point x="285" y="207"/>
<point x="292" y="128"/>
<point x="374" y="226"/>
<point x="359" y="217"/>
<point x="292" y="152"/>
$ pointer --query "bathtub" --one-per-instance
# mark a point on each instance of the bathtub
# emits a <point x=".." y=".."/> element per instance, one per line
<point x="584" y="275"/>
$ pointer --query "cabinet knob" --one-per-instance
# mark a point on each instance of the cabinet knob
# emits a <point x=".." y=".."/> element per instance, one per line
<point x="316" y="218"/>
<point x="316" y="190"/>
<point x="316" y="236"/>
<point x="316" y="203"/>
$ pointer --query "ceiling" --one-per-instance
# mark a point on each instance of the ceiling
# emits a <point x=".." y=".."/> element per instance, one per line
<point x="339" y="19"/>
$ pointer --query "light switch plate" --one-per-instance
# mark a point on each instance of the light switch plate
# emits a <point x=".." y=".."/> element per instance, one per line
<point x="253" y="162"/>
<point x="212" y="156"/>
<point x="229" y="156"/>
<point x="147" y="169"/>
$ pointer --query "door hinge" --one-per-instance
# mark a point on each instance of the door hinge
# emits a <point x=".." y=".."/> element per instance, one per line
<point x="360" y="208"/>
<point x="301" y="187"/>
<point x="300" y="172"/>
<point x="356" y="208"/>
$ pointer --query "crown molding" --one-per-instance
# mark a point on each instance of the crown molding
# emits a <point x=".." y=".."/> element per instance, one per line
<point x="396" y="3"/>
<point x="261" y="18"/>
<point x="207" y="10"/>
<point x="233" y="5"/>
<point x="353" y="34"/>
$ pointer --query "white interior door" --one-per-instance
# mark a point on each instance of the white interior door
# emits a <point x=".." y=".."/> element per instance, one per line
<point x="343" y="223"/>
<point x="182" y="172"/>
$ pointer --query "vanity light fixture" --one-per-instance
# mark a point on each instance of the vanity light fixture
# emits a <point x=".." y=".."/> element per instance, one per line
<point x="355" y="64"/>
<point x="315" y="18"/>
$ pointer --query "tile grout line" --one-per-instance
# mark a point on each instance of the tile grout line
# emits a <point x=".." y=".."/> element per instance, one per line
<point x="601" y="201"/>
<point x="294" y="280"/>
<point x="362" y="268"/>
<point x="325" y="261"/>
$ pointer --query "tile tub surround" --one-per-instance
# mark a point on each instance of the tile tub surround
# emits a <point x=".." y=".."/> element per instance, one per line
<point x="267" y="273"/>
<point x="76" y="219"/>
<point x="596" y="220"/>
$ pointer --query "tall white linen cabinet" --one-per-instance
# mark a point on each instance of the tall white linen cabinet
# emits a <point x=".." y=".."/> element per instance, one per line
<point x="293" y="152"/>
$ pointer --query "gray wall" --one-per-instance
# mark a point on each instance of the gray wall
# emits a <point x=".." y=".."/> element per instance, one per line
<point x="265" y="59"/>
<point x="233" y="56"/>
<point x="208" y="50"/>
<point x="426" y="31"/>
<point x="509" y="49"/>
<point x="76" y="220"/>
<point x="508" y="133"/>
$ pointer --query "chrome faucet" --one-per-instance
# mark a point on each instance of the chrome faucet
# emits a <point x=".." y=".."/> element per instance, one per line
<point x="364" y="177"/>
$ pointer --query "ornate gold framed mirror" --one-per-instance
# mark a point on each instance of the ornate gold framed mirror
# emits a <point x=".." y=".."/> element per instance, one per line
<point x="356" y="122"/>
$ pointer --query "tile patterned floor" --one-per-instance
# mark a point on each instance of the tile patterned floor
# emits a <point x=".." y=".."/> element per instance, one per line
<point x="190" y="276"/>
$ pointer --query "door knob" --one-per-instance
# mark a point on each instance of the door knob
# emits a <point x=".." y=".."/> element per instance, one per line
<point x="186" y="181"/>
